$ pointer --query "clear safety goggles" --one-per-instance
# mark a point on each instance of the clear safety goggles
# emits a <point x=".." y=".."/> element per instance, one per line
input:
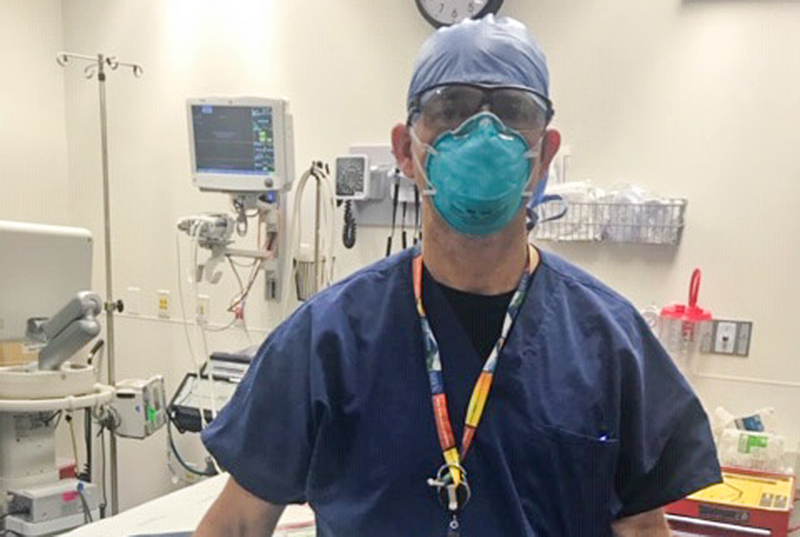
<point x="447" y="107"/>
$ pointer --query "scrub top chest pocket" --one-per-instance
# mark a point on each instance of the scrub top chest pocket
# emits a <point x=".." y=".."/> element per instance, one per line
<point x="556" y="451"/>
<point x="569" y="479"/>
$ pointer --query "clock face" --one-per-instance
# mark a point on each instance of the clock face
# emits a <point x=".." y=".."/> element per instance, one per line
<point x="447" y="12"/>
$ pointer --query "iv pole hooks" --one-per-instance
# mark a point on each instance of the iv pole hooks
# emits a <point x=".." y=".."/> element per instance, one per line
<point x="97" y="65"/>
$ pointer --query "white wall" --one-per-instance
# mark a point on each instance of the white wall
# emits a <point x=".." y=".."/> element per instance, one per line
<point x="33" y="146"/>
<point x="189" y="48"/>
<point x="34" y="183"/>
<point x="692" y="99"/>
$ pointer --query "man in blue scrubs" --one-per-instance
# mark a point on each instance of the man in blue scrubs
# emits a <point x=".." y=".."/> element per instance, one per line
<point x="475" y="386"/>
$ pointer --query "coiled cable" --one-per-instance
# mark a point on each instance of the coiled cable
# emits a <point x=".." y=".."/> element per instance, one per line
<point x="349" y="231"/>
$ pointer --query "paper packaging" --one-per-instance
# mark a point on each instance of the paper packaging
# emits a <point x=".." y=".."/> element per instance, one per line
<point x="15" y="353"/>
<point x="752" y="450"/>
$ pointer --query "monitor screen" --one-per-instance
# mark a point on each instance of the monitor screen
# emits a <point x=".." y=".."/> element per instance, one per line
<point x="233" y="139"/>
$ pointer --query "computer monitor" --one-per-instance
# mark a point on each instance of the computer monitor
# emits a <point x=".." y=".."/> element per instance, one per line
<point x="241" y="145"/>
<point x="41" y="268"/>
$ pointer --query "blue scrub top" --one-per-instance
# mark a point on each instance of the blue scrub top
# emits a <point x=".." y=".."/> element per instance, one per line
<point x="588" y="418"/>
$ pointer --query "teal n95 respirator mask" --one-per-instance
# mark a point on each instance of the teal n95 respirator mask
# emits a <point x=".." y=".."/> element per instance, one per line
<point x="477" y="174"/>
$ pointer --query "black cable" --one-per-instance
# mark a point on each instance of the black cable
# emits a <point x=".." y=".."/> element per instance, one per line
<point x="403" y="238"/>
<point x="349" y="231"/>
<point x="102" y="435"/>
<point x="86" y="474"/>
<point x="394" y="213"/>
<point x="12" y="513"/>
<point x="95" y="349"/>
<point x="416" y="215"/>
<point x="180" y="459"/>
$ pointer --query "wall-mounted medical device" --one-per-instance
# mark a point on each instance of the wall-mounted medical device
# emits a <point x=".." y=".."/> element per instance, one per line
<point x="241" y="144"/>
<point x="376" y="193"/>
<point x="242" y="147"/>
<point x="352" y="178"/>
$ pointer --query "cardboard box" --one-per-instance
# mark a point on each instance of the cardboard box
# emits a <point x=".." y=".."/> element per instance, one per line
<point x="15" y="353"/>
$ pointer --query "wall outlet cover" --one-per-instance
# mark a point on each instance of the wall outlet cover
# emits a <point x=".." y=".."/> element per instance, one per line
<point x="203" y="304"/>
<point x="133" y="301"/>
<point x="731" y="337"/>
<point x="164" y="304"/>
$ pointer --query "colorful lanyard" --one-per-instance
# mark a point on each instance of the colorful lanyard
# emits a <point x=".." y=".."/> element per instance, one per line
<point x="480" y="392"/>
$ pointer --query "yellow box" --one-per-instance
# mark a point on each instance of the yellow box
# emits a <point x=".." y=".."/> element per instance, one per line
<point x="767" y="492"/>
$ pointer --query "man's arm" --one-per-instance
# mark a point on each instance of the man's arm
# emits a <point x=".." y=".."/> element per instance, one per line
<point x="237" y="513"/>
<point x="649" y="524"/>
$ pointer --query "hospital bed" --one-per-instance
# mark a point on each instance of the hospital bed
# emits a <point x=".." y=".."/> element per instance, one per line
<point x="181" y="511"/>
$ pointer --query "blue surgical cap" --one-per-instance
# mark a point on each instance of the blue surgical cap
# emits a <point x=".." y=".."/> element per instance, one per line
<point x="492" y="51"/>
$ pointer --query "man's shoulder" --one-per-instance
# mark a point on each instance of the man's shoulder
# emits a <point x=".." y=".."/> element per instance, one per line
<point x="360" y="295"/>
<point x="578" y="287"/>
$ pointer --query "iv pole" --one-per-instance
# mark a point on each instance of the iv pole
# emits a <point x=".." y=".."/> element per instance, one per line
<point x="97" y="65"/>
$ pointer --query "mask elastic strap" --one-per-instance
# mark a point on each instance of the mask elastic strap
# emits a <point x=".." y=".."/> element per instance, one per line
<point x="430" y="190"/>
<point x="533" y="156"/>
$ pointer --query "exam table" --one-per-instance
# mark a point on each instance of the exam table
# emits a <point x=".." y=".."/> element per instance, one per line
<point x="182" y="510"/>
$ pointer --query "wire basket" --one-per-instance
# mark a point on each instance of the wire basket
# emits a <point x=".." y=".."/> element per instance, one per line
<point x="654" y="222"/>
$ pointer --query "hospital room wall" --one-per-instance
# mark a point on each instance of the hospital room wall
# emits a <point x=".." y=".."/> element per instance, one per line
<point x="33" y="144"/>
<point x="694" y="99"/>
<point x="691" y="99"/>
<point x="34" y="183"/>
<point x="343" y="66"/>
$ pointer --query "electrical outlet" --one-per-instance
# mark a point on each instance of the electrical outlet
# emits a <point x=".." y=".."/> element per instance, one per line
<point x="133" y="302"/>
<point x="164" y="304"/>
<point x="731" y="337"/>
<point x="203" y="302"/>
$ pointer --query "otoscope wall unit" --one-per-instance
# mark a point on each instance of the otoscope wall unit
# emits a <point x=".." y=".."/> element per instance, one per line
<point x="376" y="193"/>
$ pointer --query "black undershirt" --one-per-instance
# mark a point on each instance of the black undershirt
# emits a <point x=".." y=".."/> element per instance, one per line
<point x="481" y="316"/>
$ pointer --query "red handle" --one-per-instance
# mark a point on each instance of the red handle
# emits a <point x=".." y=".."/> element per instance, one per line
<point x="694" y="287"/>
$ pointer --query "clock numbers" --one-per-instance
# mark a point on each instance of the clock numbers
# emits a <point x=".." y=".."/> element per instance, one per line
<point x="447" y="12"/>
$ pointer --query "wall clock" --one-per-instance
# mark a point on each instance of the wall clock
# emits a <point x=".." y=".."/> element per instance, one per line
<point x="446" y="12"/>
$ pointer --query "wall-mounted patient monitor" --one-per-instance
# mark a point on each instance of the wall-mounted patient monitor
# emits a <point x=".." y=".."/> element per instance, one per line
<point x="241" y="145"/>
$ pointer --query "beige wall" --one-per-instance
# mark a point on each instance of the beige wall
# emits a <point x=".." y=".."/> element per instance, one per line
<point x="33" y="147"/>
<point x="342" y="65"/>
<point x="688" y="98"/>
<point x="695" y="99"/>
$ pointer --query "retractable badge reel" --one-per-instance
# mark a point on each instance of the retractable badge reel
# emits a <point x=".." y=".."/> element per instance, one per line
<point x="452" y="497"/>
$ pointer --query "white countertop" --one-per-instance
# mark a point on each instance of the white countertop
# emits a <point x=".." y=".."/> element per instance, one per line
<point x="182" y="510"/>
